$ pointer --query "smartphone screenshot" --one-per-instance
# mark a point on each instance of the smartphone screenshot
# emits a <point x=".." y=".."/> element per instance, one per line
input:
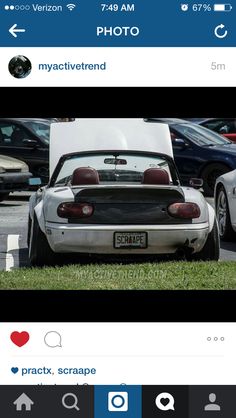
<point x="117" y="209"/>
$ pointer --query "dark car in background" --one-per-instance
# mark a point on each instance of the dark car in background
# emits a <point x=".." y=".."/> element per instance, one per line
<point x="223" y="126"/>
<point x="28" y="140"/>
<point x="200" y="153"/>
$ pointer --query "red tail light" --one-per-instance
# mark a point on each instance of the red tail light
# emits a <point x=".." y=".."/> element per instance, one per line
<point x="75" y="210"/>
<point x="184" y="210"/>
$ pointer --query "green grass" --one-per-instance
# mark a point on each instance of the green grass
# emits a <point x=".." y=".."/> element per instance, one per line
<point x="162" y="276"/>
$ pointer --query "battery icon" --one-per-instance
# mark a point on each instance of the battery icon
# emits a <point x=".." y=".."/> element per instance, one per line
<point x="222" y="7"/>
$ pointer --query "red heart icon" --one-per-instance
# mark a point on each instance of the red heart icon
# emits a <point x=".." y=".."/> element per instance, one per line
<point x="20" y="338"/>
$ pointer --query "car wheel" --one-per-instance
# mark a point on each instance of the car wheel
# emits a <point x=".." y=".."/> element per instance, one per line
<point x="209" y="176"/>
<point x="40" y="252"/>
<point x="211" y="249"/>
<point x="223" y="216"/>
<point x="29" y="230"/>
<point x="3" y="196"/>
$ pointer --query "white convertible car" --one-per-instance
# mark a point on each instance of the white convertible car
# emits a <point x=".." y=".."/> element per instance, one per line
<point x="225" y="204"/>
<point x="114" y="189"/>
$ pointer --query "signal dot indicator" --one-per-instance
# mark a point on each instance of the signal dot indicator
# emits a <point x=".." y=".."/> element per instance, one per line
<point x="6" y="7"/>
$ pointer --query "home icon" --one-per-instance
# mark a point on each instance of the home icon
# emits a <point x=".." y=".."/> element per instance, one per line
<point x="23" y="403"/>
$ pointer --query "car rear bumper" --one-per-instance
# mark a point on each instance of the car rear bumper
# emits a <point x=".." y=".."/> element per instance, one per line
<point x="10" y="182"/>
<point x="99" y="239"/>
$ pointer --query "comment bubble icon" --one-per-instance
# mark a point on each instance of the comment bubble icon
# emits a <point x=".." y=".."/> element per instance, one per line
<point x="53" y="339"/>
<point x="165" y="401"/>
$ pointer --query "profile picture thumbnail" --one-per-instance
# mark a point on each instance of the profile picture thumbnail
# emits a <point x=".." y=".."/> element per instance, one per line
<point x="19" y="66"/>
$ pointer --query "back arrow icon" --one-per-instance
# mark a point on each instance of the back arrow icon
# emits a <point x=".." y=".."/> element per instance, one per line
<point x="13" y="30"/>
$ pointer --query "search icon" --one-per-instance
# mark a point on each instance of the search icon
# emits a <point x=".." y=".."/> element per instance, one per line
<point x="69" y="405"/>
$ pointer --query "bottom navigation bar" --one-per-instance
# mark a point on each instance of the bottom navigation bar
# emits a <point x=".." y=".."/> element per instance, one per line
<point x="125" y="400"/>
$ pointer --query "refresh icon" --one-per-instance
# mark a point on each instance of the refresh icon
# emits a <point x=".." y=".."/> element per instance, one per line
<point x="220" y="31"/>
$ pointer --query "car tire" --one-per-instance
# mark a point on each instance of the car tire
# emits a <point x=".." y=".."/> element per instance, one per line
<point x="211" y="249"/>
<point x="3" y="196"/>
<point x="209" y="176"/>
<point x="29" y="231"/>
<point x="40" y="252"/>
<point x="223" y="216"/>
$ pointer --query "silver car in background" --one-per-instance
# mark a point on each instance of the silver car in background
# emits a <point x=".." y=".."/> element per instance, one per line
<point x="225" y="204"/>
<point x="14" y="176"/>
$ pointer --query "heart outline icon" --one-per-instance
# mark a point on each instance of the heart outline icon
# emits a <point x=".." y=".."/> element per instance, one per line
<point x="19" y="338"/>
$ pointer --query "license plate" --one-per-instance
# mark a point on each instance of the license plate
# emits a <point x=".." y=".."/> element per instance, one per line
<point x="35" y="181"/>
<point x="130" y="239"/>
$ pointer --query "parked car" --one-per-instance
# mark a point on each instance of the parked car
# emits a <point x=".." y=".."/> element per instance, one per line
<point x="199" y="152"/>
<point x="28" y="140"/>
<point x="117" y="192"/>
<point x="223" y="126"/>
<point x="225" y="199"/>
<point x="14" y="176"/>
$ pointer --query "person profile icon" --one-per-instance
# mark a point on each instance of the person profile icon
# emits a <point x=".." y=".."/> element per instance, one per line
<point x="212" y="406"/>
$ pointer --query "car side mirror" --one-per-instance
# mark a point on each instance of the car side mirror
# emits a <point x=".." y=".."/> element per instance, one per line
<point x="179" y="143"/>
<point x="32" y="143"/>
<point x="196" y="183"/>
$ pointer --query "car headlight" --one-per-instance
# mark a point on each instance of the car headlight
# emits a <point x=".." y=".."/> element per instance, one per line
<point x="25" y="169"/>
<point x="2" y="170"/>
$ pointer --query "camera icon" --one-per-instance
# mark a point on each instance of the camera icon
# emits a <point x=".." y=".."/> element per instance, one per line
<point x="118" y="401"/>
<point x="184" y="7"/>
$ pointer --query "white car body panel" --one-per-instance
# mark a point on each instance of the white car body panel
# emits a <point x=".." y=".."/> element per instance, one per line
<point x="64" y="237"/>
<point x="207" y="211"/>
<point x="99" y="239"/>
<point x="53" y="197"/>
<point x="108" y="134"/>
<point x="228" y="180"/>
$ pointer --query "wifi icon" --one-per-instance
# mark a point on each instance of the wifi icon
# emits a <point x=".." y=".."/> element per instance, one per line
<point x="71" y="6"/>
